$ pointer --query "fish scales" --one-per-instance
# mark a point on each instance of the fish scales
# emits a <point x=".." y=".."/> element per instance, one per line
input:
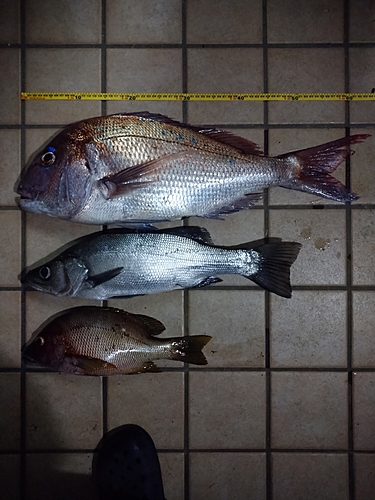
<point x="130" y="262"/>
<point x="144" y="167"/>
<point x="105" y="341"/>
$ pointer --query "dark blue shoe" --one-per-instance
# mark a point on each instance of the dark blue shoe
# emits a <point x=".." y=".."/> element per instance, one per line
<point x="126" y="466"/>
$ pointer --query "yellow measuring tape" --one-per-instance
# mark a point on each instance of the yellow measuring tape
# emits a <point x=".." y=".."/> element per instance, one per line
<point x="111" y="96"/>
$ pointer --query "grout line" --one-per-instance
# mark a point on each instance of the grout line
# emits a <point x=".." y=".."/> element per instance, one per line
<point x="103" y="86"/>
<point x="23" y="465"/>
<point x="349" y="264"/>
<point x="266" y="221"/>
<point x="185" y="293"/>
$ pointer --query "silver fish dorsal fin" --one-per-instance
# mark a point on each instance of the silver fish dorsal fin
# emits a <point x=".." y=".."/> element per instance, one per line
<point x="195" y="233"/>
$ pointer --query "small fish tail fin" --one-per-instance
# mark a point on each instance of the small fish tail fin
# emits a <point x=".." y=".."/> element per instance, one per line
<point x="273" y="272"/>
<point x="313" y="166"/>
<point x="189" y="349"/>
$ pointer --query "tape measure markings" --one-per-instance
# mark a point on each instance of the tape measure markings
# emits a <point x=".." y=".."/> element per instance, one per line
<point x="105" y="96"/>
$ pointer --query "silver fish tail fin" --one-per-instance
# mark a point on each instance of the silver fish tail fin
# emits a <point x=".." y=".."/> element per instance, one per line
<point x="313" y="166"/>
<point x="189" y="349"/>
<point x="274" y="267"/>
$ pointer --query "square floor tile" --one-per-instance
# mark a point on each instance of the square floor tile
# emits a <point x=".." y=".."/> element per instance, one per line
<point x="238" y="476"/>
<point x="309" y="330"/>
<point x="322" y="258"/>
<point x="10" y="102"/>
<point x="63" y="22"/>
<point x="10" y="339"/>
<point x="172" y="471"/>
<point x="144" y="70"/>
<point x="361" y="79"/>
<point x="361" y="167"/>
<point x="224" y="114"/>
<point x="287" y="140"/>
<point x="10" y="477"/>
<point x="308" y="410"/>
<point x="11" y="414"/>
<point x="364" y="411"/>
<point x="364" y="476"/>
<point x="144" y="22"/>
<point x="9" y="22"/>
<point x="235" y="320"/>
<point x="361" y="21"/>
<point x="10" y="165"/>
<point x="363" y="329"/>
<point x="46" y="235"/>
<point x="62" y="70"/>
<point x="225" y="70"/>
<point x="222" y="22"/>
<point x="227" y="410"/>
<point x="305" y="21"/>
<point x="363" y="234"/>
<point x="10" y="248"/>
<point x="310" y="476"/>
<point x="155" y="401"/>
<point x="59" y="476"/>
<point x="62" y="411"/>
<point x="165" y="307"/>
<point x="306" y="70"/>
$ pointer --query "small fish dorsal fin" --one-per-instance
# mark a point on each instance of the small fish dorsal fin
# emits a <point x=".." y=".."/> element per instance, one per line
<point x="156" y="326"/>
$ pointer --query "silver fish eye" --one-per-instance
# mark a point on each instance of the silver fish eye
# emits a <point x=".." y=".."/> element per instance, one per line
<point x="40" y="340"/>
<point x="48" y="158"/>
<point x="45" y="272"/>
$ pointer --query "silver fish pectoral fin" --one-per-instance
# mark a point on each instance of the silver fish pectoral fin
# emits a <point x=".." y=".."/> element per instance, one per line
<point x="101" y="278"/>
<point x="127" y="180"/>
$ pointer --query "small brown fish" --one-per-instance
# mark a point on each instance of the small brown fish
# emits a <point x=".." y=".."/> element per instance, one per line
<point x="146" y="167"/>
<point x="107" y="341"/>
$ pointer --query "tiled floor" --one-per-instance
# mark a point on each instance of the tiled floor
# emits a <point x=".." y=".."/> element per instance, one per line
<point x="285" y="408"/>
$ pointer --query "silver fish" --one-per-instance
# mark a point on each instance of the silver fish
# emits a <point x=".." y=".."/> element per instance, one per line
<point x="107" y="341"/>
<point x="147" y="167"/>
<point x="128" y="262"/>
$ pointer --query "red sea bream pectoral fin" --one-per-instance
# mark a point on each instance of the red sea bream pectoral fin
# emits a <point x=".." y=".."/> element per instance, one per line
<point x="310" y="168"/>
<point x="132" y="177"/>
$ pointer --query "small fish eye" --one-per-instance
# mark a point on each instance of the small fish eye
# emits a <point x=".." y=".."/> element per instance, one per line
<point x="45" y="272"/>
<point x="48" y="158"/>
<point x="40" y="340"/>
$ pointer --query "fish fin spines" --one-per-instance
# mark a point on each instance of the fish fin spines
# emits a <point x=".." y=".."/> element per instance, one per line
<point x="313" y="167"/>
<point x="274" y="267"/>
<point x="189" y="349"/>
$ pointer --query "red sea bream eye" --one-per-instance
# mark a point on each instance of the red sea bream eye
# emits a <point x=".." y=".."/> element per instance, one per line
<point x="48" y="158"/>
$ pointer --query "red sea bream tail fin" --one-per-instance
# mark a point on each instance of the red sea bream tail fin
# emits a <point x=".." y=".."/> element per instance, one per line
<point x="314" y="165"/>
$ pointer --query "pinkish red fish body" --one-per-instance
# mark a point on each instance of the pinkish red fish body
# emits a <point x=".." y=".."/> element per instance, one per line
<point x="144" y="167"/>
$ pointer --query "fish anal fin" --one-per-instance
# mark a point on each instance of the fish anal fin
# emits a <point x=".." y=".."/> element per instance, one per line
<point x="154" y="325"/>
<point x="208" y="281"/>
<point x="101" y="278"/>
<point x="130" y="178"/>
<point x="91" y="366"/>
<point x="148" y="366"/>
<point x="241" y="204"/>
